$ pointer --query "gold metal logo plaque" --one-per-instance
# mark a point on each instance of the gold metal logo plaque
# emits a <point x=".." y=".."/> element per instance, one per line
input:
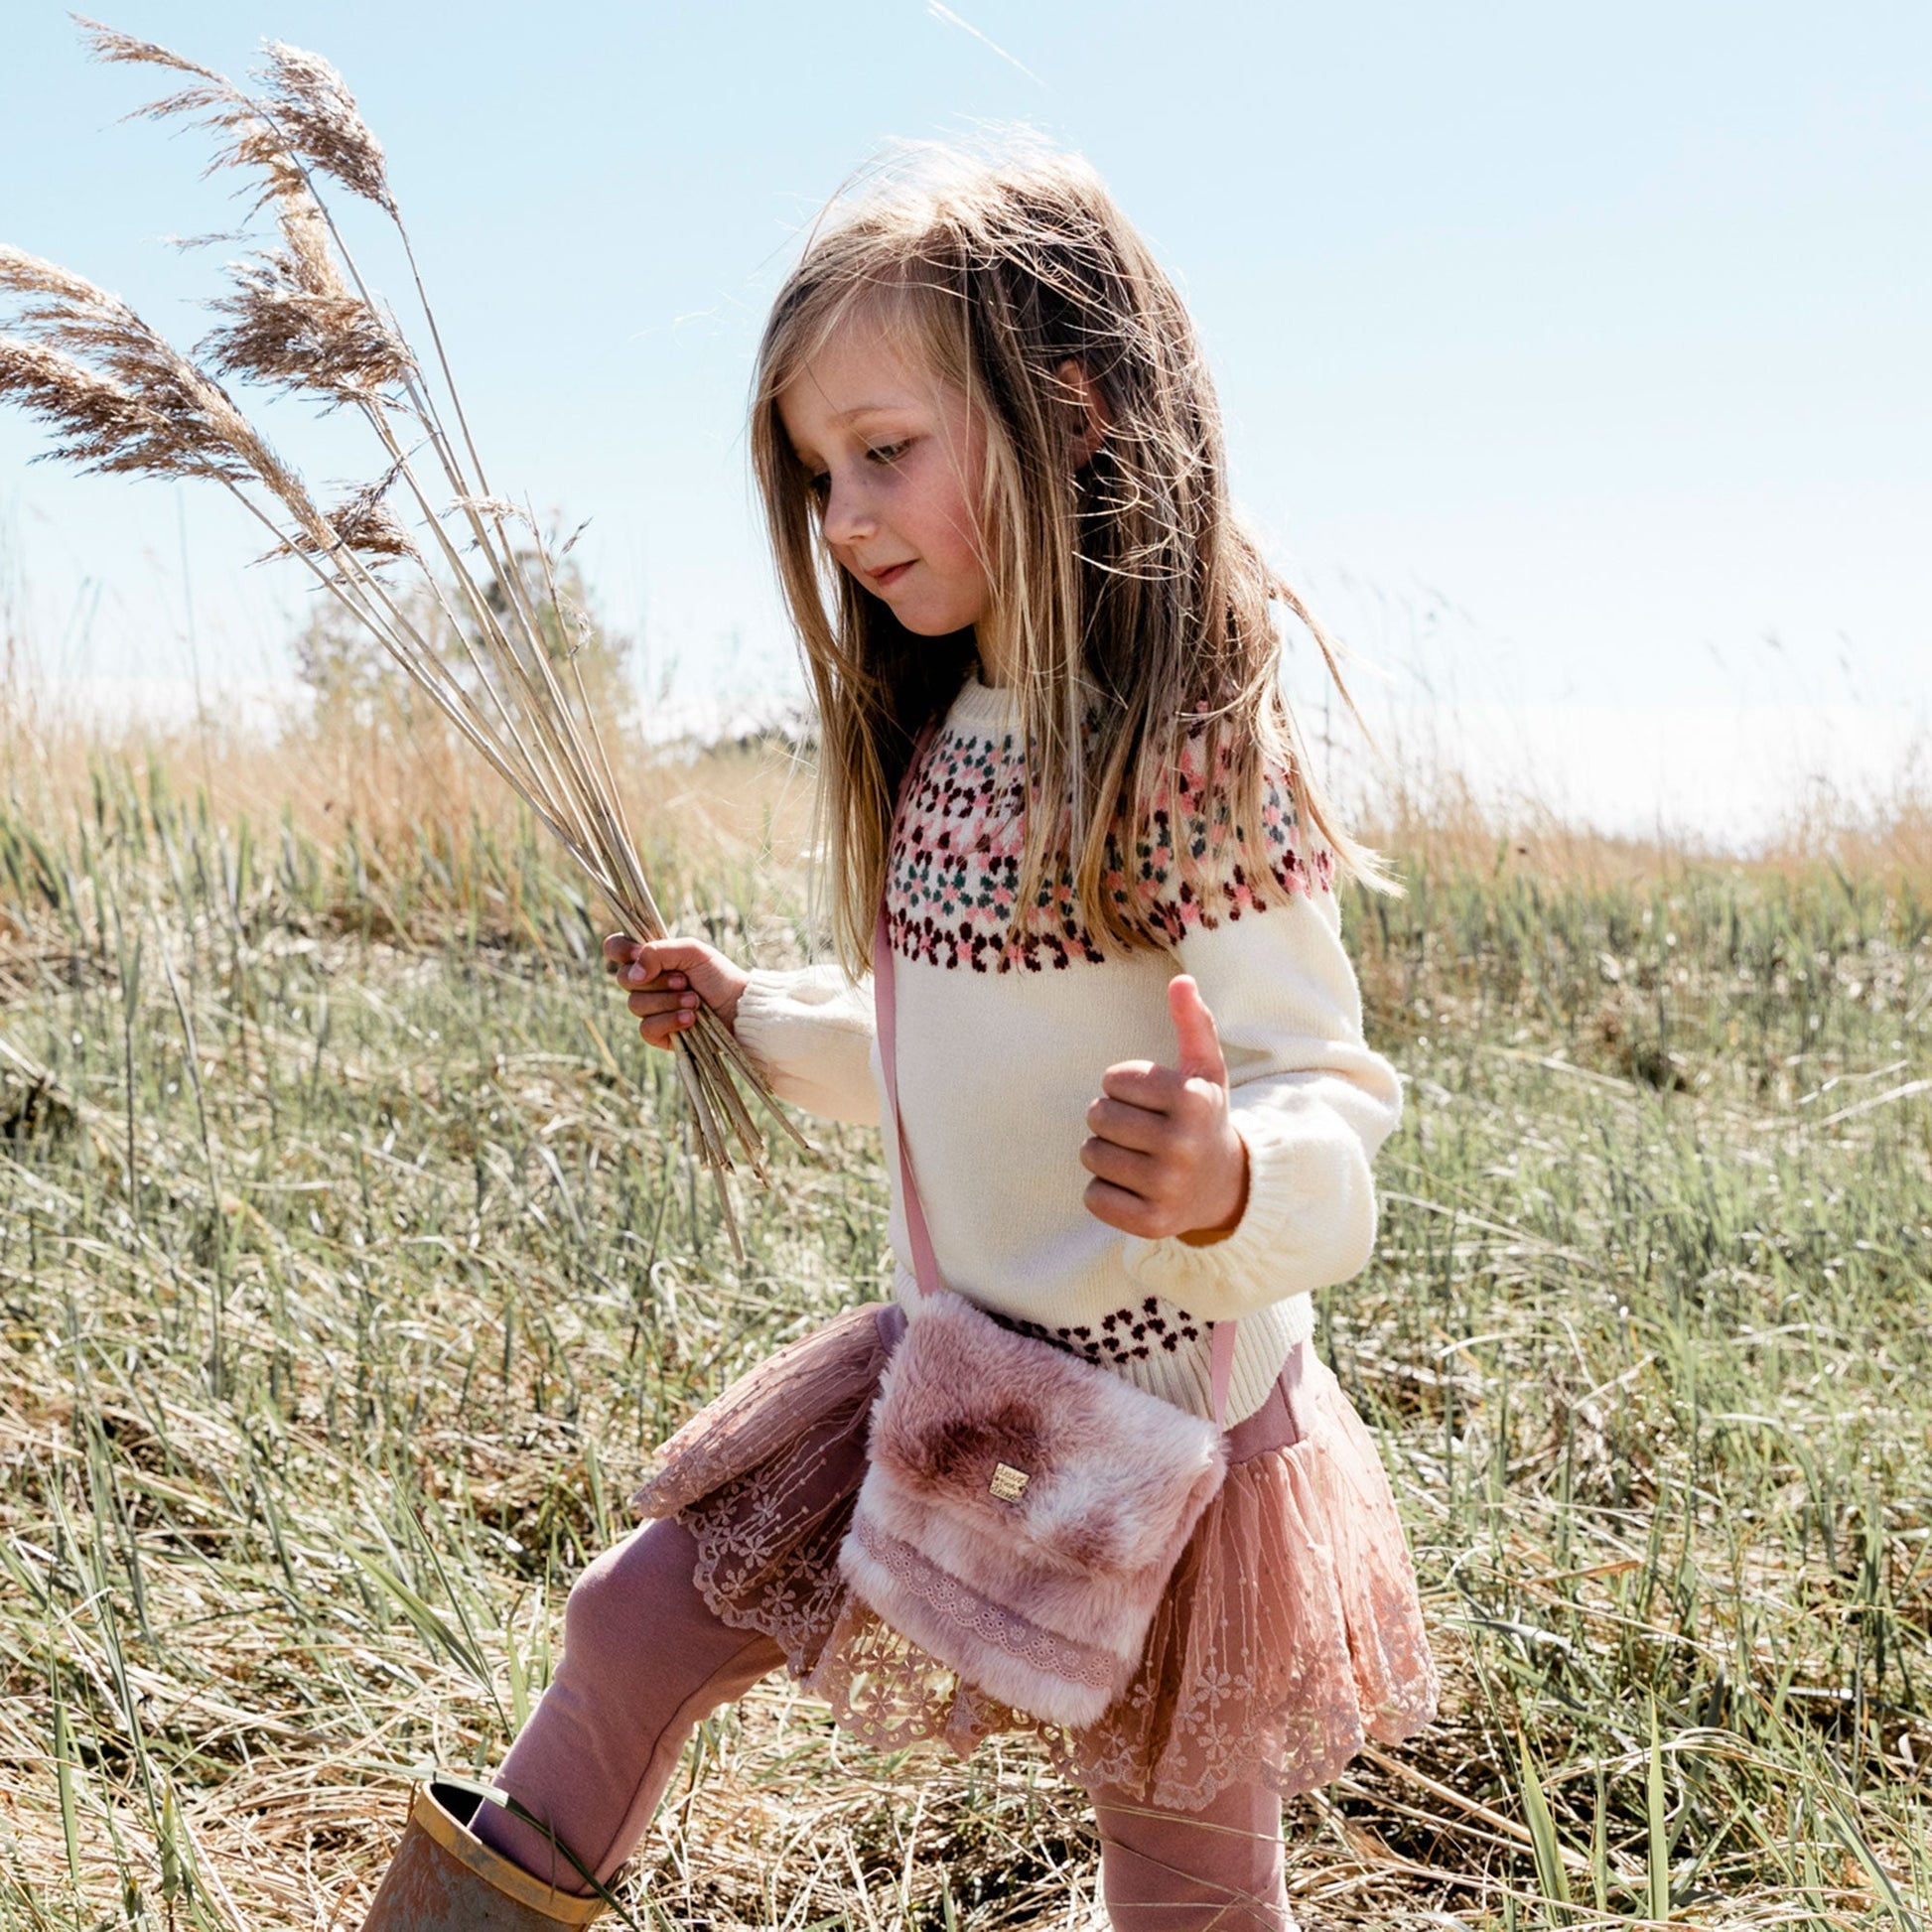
<point x="1008" y="1482"/>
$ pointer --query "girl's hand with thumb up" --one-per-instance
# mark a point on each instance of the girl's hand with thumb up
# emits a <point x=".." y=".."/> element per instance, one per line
<point x="1164" y="1153"/>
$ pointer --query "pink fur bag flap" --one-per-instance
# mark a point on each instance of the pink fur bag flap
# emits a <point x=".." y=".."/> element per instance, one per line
<point x="1022" y="1511"/>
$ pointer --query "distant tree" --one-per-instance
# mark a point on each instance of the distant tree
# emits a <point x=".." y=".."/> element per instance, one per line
<point x="355" y="686"/>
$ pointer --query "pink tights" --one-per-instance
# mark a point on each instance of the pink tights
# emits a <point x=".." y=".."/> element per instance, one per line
<point x="645" y="1660"/>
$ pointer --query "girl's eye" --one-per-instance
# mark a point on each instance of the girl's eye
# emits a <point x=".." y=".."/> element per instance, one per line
<point x="819" y="486"/>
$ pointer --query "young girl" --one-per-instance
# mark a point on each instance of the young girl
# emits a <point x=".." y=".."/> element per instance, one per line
<point x="1134" y="1086"/>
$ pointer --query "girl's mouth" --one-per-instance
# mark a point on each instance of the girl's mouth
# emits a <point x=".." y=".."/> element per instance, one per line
<point x="885" y="579"/>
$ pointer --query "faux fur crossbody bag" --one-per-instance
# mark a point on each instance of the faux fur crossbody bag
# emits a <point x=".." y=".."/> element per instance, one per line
<point x="1021" y="1509"/>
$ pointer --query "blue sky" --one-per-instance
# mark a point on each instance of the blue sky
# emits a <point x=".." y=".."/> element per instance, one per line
<point x="1576" y="359"/>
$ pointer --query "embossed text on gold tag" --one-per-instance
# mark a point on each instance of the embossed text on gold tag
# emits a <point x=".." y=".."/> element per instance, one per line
<point x="1008" y="1482"/>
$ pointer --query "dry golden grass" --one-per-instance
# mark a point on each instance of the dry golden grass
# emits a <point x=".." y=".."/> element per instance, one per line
<point x="400" y="775"/>
<point x="334" y="1340"/>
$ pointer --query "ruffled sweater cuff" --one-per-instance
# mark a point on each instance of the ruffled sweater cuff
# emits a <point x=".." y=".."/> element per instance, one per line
<point x="1308" y="1221"/>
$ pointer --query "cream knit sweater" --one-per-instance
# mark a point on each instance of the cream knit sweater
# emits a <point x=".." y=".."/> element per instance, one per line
<point x="1002" y="1046"/>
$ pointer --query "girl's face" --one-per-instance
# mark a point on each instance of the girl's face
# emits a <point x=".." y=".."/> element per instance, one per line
<point x="896" y="457"/>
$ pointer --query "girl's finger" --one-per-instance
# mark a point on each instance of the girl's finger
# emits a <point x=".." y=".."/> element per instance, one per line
<point x="1121" y="1209"/>
<point x="1195" y="1035"/>
<point x="645" y="982"/>
<point x="655" y="956"/>
<point x="1135" y="1174"/>
<point x="1126" y="1125"/>
<point x="647" y="1002"/>
<point x="1140" y="1083"/>
<point x="618" y="948"/>
<point x="660" y="1030"/>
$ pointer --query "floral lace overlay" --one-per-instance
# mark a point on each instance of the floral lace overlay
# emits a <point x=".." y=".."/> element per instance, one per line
<point x="953" y="878"/>
<point x="1289" y="1631"/>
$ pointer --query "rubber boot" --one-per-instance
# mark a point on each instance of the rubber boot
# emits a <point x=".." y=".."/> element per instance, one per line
<point x="444" y="1879"/>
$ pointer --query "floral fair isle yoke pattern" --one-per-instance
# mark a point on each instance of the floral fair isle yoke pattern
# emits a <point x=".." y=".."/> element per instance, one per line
<point x="954" y="872"/>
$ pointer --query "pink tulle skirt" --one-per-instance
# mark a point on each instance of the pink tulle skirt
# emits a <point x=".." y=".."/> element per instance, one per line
<point x="1290" y="1632"/>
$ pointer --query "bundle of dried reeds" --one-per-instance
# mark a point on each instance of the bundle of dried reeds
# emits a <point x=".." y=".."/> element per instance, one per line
<point x="300" y="318"/>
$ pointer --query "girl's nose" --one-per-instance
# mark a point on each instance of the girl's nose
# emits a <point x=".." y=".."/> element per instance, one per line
<point x="849" y="517"/>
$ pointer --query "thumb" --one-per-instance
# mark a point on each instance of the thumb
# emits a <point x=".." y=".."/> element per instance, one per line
<point x="1194" y="1033"/>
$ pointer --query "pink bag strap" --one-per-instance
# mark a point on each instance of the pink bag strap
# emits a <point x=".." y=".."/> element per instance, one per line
<point x="925" y="1264"/>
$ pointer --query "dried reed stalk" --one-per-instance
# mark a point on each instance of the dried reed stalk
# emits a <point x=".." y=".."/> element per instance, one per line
<point x="300" y="318"/>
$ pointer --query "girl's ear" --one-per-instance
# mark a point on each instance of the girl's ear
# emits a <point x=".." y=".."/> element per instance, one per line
<point x="1090" y="406"/>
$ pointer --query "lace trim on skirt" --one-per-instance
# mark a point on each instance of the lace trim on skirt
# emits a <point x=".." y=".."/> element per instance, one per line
<point x="1289" y="1631"/>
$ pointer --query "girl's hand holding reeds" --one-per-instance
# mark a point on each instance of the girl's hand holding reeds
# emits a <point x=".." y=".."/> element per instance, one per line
<point x="1163" y="1151"/>
<point x="670" y="979"/>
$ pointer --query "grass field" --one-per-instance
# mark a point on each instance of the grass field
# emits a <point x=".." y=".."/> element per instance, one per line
<point x="354" y="1260"/>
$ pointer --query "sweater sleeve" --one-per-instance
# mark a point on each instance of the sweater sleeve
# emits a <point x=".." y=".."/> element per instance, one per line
<point x="1309" y="1100"/>
<point x="810" y="1031"/>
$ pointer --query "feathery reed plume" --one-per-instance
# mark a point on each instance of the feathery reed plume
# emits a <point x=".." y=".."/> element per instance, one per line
<point x="99" y="423"/>
<point x="500" y="653"/>
<point x="179" y="420"/>
<point x="361" y="522"/>
<point x="295" y="321"/>
<point x="317" y="116"/>
<point x="108" y="44"/>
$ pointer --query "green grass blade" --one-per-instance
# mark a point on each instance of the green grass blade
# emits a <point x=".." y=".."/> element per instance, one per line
<point x="1545" y="1846"/>
<point x="64" y="1768"/>
<point x="1655" y="1809"/>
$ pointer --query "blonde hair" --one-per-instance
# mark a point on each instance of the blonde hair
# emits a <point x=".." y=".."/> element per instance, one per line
<point x="1131" y="609"/>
